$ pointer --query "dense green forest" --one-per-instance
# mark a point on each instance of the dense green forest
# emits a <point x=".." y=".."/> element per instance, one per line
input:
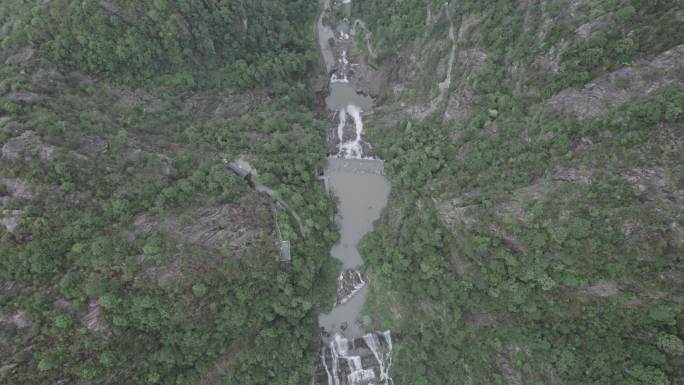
<point x="129" y="254"/>
<point x="242" y="43"/>
<point x="534" y="234"/>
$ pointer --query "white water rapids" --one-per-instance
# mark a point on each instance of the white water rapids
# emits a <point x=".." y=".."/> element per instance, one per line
<point x="350" y="355"/>
<point x="340" y="348"/>
<point x="351" y="149"/>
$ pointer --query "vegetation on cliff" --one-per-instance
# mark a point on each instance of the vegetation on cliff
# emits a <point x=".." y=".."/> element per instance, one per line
<point x="535" y="232"/>
<point x="128" y="253"/>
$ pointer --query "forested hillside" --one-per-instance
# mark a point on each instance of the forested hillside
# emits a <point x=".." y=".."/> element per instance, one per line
<point x="129" y="254"/>
<point x="535" y="230"/>
<point x="243" y="42"/>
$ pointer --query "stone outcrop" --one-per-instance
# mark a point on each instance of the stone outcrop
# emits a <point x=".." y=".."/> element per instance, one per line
<point x="12" y="189"/>
<point x="27" y="146"/>
<point x="10" y="219"/>
<point x="362" y="361"/>
<point x="349" y="283"/>
<point x="19" y="319"/>
<point x="211" y="227"/>
<point x="94" y="321"/>
<point x="614" y="89"/>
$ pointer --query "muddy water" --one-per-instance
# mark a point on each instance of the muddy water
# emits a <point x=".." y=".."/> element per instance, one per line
<point x="343" y="94"/>
<point x="358" y="183"/>
<point x="362" y="192"/>
<point x="361" y="198"/>
<point x="350" y="354"/>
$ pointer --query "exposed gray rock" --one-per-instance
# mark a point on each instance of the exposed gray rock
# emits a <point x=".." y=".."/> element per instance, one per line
<point x="20" y="320"/>
<point x="27" y="146"/>
<point x="163" y="274"/>
<point x="645" y="78"/>
<point x="546" y="136"/>
<point x="509" y="241"/>
<point x="6" y="368"/>
<point x="114" y="10"/>
<point x="65" y="306"/>
<point x="503" y="363"/>
<point x="132" y="99"/>
<point x="679" y="15"/>
<point x="10" y="219"/>
<point x="647" y="182"/>
<point x="22" y="56"/>
<point x="514" y="205"/>
<point x="453" y="212"/>
<point x="348" y="284"/>
<point x="676" y="235"/>
<point x="45" y="153"/>
<point x="9" y="127"/>
<point x="213" y="227"/>
<point x="360" y="349"/>
<point x="45" y="79"/>
<point x="596" y="25"/>
<point x="368" y="81"/>
<point x="479" y="317"/>
<point x="467" y="25"/>
<point x="602" y="289"/>
<point x="677" y="199"/>
<point x="16" y="188"/>
<point x="472" y="57"/>
<point x="461" y="100"/>
<point x="584" y="176"/>
<point x="93" y="319"/>
<point x="92" y="145"/>
<point x="550" y="61"/>
<point x="228" y="103"/>
<point x="459" y="105"/>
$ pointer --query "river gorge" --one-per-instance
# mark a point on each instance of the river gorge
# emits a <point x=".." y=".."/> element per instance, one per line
<point x="350" y="354"/>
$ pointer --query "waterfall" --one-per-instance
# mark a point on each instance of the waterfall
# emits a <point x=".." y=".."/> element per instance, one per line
<point x="348" y="356"/>
<point x="335" y="362"/>
<point x="384" y="359"/>
<point x="352" y="148"/>
<point x="334" y="79"/>
<point x="325" y="366"/>
<point x="357" y="374"/>
<point x="388" y="341"/>
<point x="342" y="123"/>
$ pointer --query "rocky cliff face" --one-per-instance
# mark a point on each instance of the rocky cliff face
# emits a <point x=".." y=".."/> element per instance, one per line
<point x="551" y="158"/>
<point x="118" y="214"/>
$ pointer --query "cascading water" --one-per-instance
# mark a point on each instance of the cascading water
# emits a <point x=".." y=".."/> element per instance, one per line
<point x="383" y="358"/>
<point x="349" y="355"/>
<point x="351" y="149"/>
<point x="339" y="349"/>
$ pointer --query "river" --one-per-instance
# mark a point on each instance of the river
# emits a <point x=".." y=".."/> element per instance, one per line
<point x="350" y="354"/>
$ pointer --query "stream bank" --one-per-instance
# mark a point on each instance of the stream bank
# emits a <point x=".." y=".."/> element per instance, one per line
<point x="350" y="354"/>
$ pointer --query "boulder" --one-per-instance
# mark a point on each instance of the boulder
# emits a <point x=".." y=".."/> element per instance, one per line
<point x="349" y="283"/>
<point x="644" y="78"/>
